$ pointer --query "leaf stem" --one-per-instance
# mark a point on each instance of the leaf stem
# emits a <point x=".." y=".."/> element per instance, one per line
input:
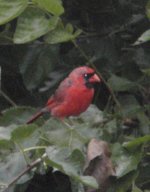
<point x="33" y="148"/>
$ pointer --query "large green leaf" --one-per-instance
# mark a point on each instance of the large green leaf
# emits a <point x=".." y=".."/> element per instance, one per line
<point x="125" y="161"/>
<point x="11" y="9"/>
<point x="32" y="24"/>
<point x="12" y="165"/>
<point x="120" y="84"/>
<point x="15" y="116"/>
<point x="37" y="63"/>
<point x="56" y="132"/>
<point x="76" y="135"/>
<point x="93" y="115"/>
<point x="26" y="135"/>
<point x="23" y="132"/>
<point x="63" y="160"/>
<point x="53" y="6"/>
<point x="59" y="158"/>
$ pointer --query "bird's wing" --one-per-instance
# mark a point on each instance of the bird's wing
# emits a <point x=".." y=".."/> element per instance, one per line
<point x="63" y="89"/>
<point x="60" y="93"/>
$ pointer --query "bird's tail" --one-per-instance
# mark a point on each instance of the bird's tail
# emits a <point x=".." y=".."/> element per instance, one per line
<point x="34" y="117"/>
<point x="37" y="115"/>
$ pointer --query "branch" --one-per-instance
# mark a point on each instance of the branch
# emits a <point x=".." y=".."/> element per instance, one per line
<point x="8" y="98"/>
<point x="26" y="170"/>
<point x="90" y="62"/>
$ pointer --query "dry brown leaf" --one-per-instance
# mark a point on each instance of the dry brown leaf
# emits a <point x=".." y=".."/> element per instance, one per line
<point x="99" y="164"/>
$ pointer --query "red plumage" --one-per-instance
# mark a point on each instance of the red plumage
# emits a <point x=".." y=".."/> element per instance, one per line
<point x="73" y="96"/>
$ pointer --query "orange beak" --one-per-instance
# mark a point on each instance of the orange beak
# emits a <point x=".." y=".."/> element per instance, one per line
<point x="95" y="79"/>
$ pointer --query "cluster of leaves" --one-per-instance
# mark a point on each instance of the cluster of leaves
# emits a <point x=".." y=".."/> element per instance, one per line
<point x="35" y="19"/>
<point x="64" y="143"/>
<point x="111" y="42"/>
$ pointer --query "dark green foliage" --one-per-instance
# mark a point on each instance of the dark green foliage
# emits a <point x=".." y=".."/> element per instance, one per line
<point x="40" y="42"/>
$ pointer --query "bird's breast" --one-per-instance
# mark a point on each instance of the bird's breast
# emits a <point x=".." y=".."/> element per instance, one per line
<point x="75" y="102"/>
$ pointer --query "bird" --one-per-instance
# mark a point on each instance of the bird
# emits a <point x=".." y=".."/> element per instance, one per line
<point x="73" y="96"/>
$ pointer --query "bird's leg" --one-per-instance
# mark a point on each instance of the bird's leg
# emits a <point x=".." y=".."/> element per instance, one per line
<point x="70" y="130"/>
<point x="66" y="123"/>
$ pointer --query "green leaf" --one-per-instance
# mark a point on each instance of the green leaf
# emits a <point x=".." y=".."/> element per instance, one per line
<point x="5" y="145"/>
<point x="143" y="38"/>
<point x="130" y="106"/>
<point x="111" y="126"/>
<point x="142" y="57"/>
<point x="38" y="62"/>
<point x="136" y="189"/>
<point x="135" y="144"/>
<point x="15" y="116"/>
<point x="69" y="28"/>
<point x="23" y="132"/>
<point x="11" y="9"/>
<point x="120" y="84"/>
<point x="146" y="72"/>
<point x="92" y="115"/>
<point x="88" y="181"/>
<point x="26" y="136"/>
<point x="56" y="131"/>
<point x="124" y="183"/>
<point x="61" y="34"/>
<point x="62" y="159"/>
<point x="5" y="134"/>
<point x="32" y="24"/>
<point x="127" y="164"/>
<point x="144" y="176"/>
<point x="59" y="158"/>
<point x="125" y="161"/>
<point x="53" y="6"/>
<point x="76" y="136"/>
<point x="144" y="122"/>
<point x="12" y="165"/>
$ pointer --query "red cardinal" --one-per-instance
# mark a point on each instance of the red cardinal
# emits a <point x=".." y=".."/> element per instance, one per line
<point x="73" y="96"/>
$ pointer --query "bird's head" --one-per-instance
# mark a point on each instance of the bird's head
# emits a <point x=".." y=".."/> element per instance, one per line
<point x="85" y="75"/>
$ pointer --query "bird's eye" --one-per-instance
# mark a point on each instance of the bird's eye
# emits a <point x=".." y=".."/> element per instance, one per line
<point x="87" y="76"/>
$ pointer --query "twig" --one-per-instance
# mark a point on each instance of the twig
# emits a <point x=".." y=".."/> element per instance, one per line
<point x="26" y="170"/>
<point x="89" y="62"/>
<point x="8" y="98"/>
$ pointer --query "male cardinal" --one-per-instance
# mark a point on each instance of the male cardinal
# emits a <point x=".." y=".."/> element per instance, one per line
<point x="73" y="96"/>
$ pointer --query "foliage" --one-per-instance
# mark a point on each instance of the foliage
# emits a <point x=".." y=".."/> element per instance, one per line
<point x="40" y="42"/>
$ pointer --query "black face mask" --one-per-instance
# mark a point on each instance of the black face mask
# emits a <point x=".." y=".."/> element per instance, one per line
<point x="87" y="76"/>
